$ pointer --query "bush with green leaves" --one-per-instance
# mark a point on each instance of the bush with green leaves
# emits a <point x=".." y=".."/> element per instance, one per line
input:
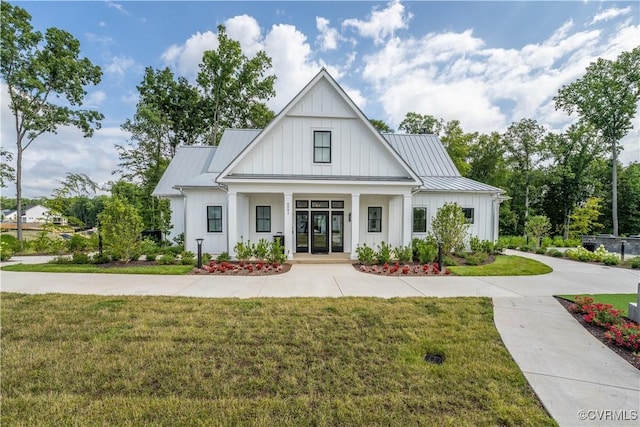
<point x="384" y="254"/>
<point x="580" y="254"/>
<point x="554" y="253"/>
<point x="166" y="259"/>
<point x="80" y="258"/>
<point x="450" y="226"/>
<point x="477" y="258"/>
<point x="404" y="254"/>
<point x="244" y="251"/>
<point x="276" y="253"/>
<point x="261" y="249"/>
<point x="5" y="251"/>
<point x="541" y="250"/>
<point x="187" y="258"/>
<point x="121" y="226"/>
<point x="537" y="227"/>
<point x="78" y="243"/>
<point x="11" y="242"/>
<point x="223" y="257"/>
<point x="475" y="244"/>
<point x="425" y="249"/>
<point x="99" y="258"/>
<point x="366" y="254"/>
<point x="635" y="262"/>
<point x="610" y="259"/>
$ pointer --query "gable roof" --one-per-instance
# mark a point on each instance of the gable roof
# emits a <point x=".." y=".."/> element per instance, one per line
<point x="189" y="163"/>
<point x="424" y="153"/>
<point x="323" y="75"/>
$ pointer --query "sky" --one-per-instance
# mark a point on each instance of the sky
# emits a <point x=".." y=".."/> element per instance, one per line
<point x="486" y="64"/>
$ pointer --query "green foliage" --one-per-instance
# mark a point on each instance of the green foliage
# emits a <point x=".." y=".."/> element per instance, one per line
<point x="542" y="250"/>
<point x="381" y="126"/>
<point x="224" y="256"/>
<point x="11" y="242"/>
<point x="554" y="253"/>
<point x="584" y="219"/>
<point x="120" y="226"/>
<point x="366" y="254"/>
<point x="538" y="227"/>
<point x="98" y="258"/>
<point x="166" y="259"/>
<point x="457" y="143"/>
<point x="384" y="254"/>
<point x="78" y="243"/>
<point x="80" y="258"/>
<point x="425" y="249"/>
<point x="276" y="253"/>
<point x="261" y="249"/>
<point x="450" y="226"/>
<point x="415" y="123"/>
<point x="404" y="254"/>
<point x="5" y="251"/>
<point x="635" y="262"/>
<point x="475" y="244"/>
<point x="244" y="251"/>
<point x="187" y="258"/>
<point x="477" y="258"/>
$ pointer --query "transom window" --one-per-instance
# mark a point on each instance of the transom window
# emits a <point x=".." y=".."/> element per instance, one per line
<point x="419" y="220"/>
<point x="469" y="214"/>
<point x="214" y="219"/>
<point x="321" y="146"/>
<point x="263" y="219"/>
<point x="374" y="220"/>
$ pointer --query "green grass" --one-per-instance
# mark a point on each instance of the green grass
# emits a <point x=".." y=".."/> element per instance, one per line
<point x="504" y="265"/>
<point x="92" y="268"/>
<point x="619" y="301"/>
<point x="90" y="360"/>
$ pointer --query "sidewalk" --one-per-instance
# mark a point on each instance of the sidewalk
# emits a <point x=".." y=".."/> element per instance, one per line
<point x="569" y="369"/>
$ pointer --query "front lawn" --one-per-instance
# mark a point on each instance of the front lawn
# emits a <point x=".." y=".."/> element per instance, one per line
<point x="90" y="360"/>
<point x="97" y="268"/>
<point x="504" y="265"/>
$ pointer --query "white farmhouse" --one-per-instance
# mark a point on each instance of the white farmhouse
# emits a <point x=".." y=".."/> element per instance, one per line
<point x="321" y="176"/>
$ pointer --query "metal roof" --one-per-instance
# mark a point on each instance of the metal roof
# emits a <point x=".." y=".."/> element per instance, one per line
<point x="425" y="154"/>
<point x="322" y="177"/>
<point x="456" y="183"/>
<point x="189" y="162"/>
<point x="232" y="143"/>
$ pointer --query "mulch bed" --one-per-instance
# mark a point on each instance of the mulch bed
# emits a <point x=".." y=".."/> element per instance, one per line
<point x="413" y="268"/>
<point x="234" y="268"/>
<point x="598" y="332"/>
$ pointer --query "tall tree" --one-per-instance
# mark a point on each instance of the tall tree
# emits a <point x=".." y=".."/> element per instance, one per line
<point x="525" y="150"/>
<point x="38" y="70"/>
<point x="415" y="123"/>
<point x="232" y="86"/>
<point x="457" y="143"/>
<point x="381" y="126"/>
<point x="7" y="173"/>
<point x="607" y="98"/>
<point x="486" y="157"/>
<point x="569" y="176"/>
<point x="629" y="187"/>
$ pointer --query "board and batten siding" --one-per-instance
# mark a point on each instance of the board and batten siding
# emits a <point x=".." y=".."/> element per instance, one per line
<point x="287" y="149"/>
<point x="482" y="226"/>
<point x="197" y="202"/>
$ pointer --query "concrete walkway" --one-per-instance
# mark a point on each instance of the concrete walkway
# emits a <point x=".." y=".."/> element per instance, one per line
<point x="578" y="379"/>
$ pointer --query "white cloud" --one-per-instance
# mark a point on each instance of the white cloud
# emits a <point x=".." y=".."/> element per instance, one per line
<point x="328" y="37"/>
<point x="245" y="29"/>
<point x="94" y="99"/>
<point x="610" y="14"/>
<point x="119" y="65"/>
<point x="119" y="7"/>
<point x="187" y="58"/>
<point x="381" y="23"/>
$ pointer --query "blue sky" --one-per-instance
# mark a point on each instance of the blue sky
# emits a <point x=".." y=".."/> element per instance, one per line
<point x="486" y="64"/>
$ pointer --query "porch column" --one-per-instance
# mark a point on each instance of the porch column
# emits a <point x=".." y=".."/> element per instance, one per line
<point x="232" y="222"/>
<point x="355" y="224"/>
<point x="288" y="225"/>
<point x="407" y="215"/>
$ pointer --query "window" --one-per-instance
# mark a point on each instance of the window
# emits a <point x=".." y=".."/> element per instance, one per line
<point x="214" y="219"/>
<point x="319" y="204"/>
<point x="321" y="146"/>
<point x="302" y="204"/>
<point x="337" y="204"/>
<point x="468" y="213"/>
<point x="263" y="219"/>
<point x="375" y="220"/>
<point x="419" y="220"/>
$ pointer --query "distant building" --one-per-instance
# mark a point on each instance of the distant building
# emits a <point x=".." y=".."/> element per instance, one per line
<point x="36" y="214"/>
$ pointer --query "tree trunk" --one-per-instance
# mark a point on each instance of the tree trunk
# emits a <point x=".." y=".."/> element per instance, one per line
<point x="614" y="187"/>
<point x="19" y="195"/>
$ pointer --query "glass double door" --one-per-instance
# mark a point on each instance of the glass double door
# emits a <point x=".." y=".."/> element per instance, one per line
<point x="314" y="231"/>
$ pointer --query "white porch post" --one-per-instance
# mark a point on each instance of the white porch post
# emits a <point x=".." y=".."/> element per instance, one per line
<point x="232" y="221"/>
<point x="355" y="224"/>
<point x="407" y="214"/>
<point x="288" y="225"/>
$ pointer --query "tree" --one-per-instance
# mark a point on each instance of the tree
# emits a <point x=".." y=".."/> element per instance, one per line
<point x="233" y="87"/>
<point x="7" y="173"/>
<point x="570" y="174"/>
<point x="524" y="148"/>
<point x="120" y="227"/>
<point x="72" y="199"/>
<point x="629" y="209"/>
<point x="450" y="226"/>
<point x="381" y="126"/>
<point x="607" y="98"/>
<point x="39" y="69"/>
<point x="457" y="143"/>
<point x="486" y="158"/>
<point x="415" y="123"/>
<point x="584" y="219"/>
<point x="538" y="227"/>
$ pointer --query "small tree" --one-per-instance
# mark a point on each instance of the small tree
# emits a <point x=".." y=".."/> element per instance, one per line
<point x="538" y="227"/>
<point x="584" y="220"/>
<point x="450" y="226"/>
<point x="120" y="226"/>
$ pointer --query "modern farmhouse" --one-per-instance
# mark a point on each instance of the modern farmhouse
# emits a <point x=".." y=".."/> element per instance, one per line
<point x="321" y="178"/>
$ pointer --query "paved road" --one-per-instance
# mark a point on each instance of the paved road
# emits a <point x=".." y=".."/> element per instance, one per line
<point x="579" y="380"/>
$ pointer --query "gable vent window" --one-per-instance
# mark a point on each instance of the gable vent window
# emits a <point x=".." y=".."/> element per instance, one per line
<point x="321" y="146"/>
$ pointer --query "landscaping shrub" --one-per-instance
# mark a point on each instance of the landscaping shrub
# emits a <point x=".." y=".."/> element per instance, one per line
<point x="476" y="259"/>
<point x="223" y="257"/>
<point x="541" y="250"/>
<point x="121" y="227"/>
<point x="150" y="256"/>
<point x="425" y="250"/>
<point x="166" y="259"/>
<point x="261" y="249"/>
<point x="475" y="244"/>
<point x="100" y="259"/>
<point x="5" y="251"/>
<point x="244" y="251"/>
<point x="80" y="258"/>
<point x="488" y="246"/>
<point x="77" y="243"/>
<point x="554" y="253"/>
<point x="404" y="254"/>
<point x="187" y="258"/>
<point x="366" y="255"/>
<point x="384" y="254"/>
<point x="635" y="262"/>
<point x="610" y="259"/>
<point x="449" y="261"/>
<point x="276" y="253"/>
<point x="11" y="243"/>
<point x="450" y="226"/>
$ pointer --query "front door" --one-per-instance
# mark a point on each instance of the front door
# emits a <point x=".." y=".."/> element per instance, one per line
<point x="337" y="232"/>
<point x="320" y="232"/>
<point x="302" y="231"/>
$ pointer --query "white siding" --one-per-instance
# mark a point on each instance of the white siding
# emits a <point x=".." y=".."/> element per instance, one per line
<point x="176" y="203"/>
<point x="373" y="239"/>
<point x="197" y="202"/>
<point x="483" y="226"/>
<point x="276" y="201"/>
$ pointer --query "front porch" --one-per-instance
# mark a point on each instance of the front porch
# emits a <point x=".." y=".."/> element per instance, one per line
<point x="330" y="258"/>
